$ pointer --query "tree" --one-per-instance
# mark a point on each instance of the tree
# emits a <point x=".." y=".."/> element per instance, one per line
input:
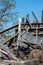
<point x="7" y="13"/>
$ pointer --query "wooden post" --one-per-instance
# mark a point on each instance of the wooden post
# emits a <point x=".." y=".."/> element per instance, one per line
<point x="19" y="37"/>
<point x="23" y="20"/>
<point x="27" y="19"/>
<point x="36" y="32"/>
<point x="19" y="32"/>
<point x="42" y="17"/>
<point x="35" y="17"/>
<point x="16" y="31"/>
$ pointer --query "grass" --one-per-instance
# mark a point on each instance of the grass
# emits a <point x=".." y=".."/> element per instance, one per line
<point x="41" y="63"/>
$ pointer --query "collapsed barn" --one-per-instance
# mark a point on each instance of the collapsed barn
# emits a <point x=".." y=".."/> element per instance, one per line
<point x="27" y="36"/>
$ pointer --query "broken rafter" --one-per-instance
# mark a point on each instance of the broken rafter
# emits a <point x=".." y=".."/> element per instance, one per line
<point x="11" y="57"/>
<point x="42" y="18"/>
<point x="35" y="17"/>
<point x="8" y="29"/>
<point x="27" y="21"/>
<point x="10" y="38"/>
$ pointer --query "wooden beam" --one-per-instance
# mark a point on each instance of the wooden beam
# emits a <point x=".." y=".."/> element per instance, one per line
<point x="8" y="54"/>
<point x="10" y="38"/>
<point x="37" y="23"/>
<point x="27" y="20"/>
<point x="37" y="32"/>
<point x="32" y="29"/>
<point x="10" y="42"/>
<point x="23" y="20"/>
<point x="8" y="29"/>
<point x="42" y="16"/>
<point x="16" y="26"/>
<point x="35" y="16"/>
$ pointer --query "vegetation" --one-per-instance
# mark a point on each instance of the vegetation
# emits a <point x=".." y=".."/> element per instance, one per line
<point x="8" y="15"/>
<point x="7" y="12"/>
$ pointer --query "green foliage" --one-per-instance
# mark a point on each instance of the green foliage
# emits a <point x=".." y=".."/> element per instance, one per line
<point x="9" y="64"/>
<point x="42" y="51"/>
<point x="5" y="6"/>
<point x="7" y="11"/>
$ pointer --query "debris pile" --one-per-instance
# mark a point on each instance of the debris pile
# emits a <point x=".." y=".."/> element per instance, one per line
<point x="27" y="37"/>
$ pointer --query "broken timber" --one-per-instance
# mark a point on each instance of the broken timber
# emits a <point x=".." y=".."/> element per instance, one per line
<point x="11" y="57"/>
<point x="27" y="27"/>
<point x="10" y="38"/>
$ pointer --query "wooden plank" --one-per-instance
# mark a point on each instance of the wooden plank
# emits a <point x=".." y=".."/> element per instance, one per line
<point x="10" y="38"/>
<point x="9" y="55"/>
<point x="27" y="21"/>
<point x="37" y="23"/>
<point x="32" y="28"/>
<point x="35" y="16"/>
<point x="10" y="42"/>
<point x="8" y="29"/>
<point x="39" y="34"/>
<point x="16" y="26"/>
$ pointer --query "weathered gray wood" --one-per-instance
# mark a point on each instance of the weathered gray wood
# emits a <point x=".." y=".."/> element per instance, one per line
<point x="8" y="29"/>
<point x="10" y="38"/>
<point x="26" y="62"/>
<point x="35" y="16"/>
<point x="11" y="57"/>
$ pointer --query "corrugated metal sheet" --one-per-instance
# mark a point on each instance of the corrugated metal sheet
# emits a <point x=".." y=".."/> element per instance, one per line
<point x="30" y="38"/>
